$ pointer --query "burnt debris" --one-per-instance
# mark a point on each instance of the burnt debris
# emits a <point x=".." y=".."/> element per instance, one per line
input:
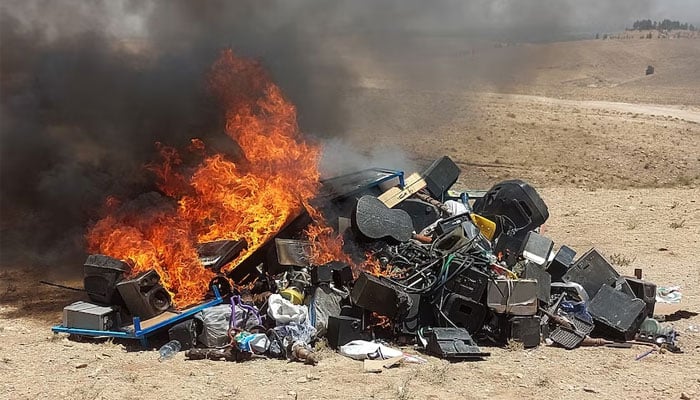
<point x="448" y="271"/>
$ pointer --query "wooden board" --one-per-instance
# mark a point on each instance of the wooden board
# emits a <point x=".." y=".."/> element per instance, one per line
<point x="396" y="195"/>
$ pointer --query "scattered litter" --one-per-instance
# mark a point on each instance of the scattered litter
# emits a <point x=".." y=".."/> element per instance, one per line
<point x="671" y="294"/>
<point x="380" y="365"/>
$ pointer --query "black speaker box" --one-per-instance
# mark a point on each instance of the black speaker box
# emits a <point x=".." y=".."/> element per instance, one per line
<point x="380" y="295"/>
<point x="471" y="284"/>
<point x="525" y="330"/>
<point x="561" y="263"/>
<point x="101" y="275"/>
<point x="644" y="290"/>
<point x="465" y="313"/>
<point x="440" y="176"/>
<point x="186" y="333"/>
<point x="342" y="330"/>
<point x="518" y="202"/>
<point x="617" y="315"/>
<point x="544" y="281"/>
<point x="422" y="213"/>
<point x="144" y="296"/>
<point x="592" y="271"/>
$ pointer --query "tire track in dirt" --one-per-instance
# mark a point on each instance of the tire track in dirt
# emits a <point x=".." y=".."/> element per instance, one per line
<point x="647" y="109"/>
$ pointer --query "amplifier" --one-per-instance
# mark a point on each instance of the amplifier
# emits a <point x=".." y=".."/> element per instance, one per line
<point x="84" y="315"/>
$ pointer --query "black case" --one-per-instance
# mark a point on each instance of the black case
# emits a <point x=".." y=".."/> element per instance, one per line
<point x="101" y="275"/>
<point x="453" y="343"/>
<point x="592" y="271"/>
<point x="215" y="255"/>
<point x="464" y="312"/>
<point x="471" y="284"/>
<point x="644" y="290"/>
<point x="561" y="263"/>
<point x="518" y="201"/>
<point x="440" y="176"/>
<point x="186" y="333"/>
<point x="525" y="330"/>
<point x="544" y="281"/>
<point x="422" y="213"/>
<point x="380" y="295"/>
<point x="616" y="314"/>
<point x="342" y="330"/>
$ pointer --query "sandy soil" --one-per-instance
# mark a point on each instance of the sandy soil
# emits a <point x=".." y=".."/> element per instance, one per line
<point x="618" y="166"/>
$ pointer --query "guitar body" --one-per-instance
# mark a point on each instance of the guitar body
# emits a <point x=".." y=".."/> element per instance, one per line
<point x="375" y="220"/>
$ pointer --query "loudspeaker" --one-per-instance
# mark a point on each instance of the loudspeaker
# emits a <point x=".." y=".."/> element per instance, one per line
<point x="440" y="176"/>
<point x="516" y="207"/>
<point x="464" y="312"/>
<point x="561" y="263"/>
<point x="342" y="330"/>
<point x="101" y="276"/>
<point x="380" y="295"/>
<point x="422" y="213"/>
<point x="144" y="296"/>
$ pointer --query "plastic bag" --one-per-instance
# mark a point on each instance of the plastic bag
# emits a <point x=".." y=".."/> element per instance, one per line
<point x="284" y="312"/>
<point x="215" y="321"/>
<point x="362" y="349"/>
<point x="325" y="302"/>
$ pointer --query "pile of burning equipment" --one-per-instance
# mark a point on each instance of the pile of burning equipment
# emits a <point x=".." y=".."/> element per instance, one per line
<point x="448" y="271"/>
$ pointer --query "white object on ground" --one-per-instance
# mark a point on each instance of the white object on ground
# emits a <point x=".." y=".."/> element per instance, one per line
<point x="284" y="312"/>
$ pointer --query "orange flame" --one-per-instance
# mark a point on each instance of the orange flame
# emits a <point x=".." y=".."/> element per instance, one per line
<point x="221" y="199"/>
<point x="250" y="199"/>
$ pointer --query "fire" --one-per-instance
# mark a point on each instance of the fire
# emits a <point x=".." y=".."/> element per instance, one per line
<point x="247" y="199"/>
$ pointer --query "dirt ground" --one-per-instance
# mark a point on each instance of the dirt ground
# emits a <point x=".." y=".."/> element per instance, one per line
<point x="617" y="163"/>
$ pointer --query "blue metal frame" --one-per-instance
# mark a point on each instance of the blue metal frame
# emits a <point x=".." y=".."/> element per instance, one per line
<point x="138" y="333"/>
<point x="393" y="174"/>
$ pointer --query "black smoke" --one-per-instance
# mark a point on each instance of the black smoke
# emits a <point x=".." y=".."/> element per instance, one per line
<point x="87" y="88"/>
<point x="82" y="108"/>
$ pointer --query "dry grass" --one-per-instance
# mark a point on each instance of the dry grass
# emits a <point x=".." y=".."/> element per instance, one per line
<point x="631" y="224"/>
<point x="676" y="225"/>
<point x="621" y="260"/>
<point x="514" y="345"/>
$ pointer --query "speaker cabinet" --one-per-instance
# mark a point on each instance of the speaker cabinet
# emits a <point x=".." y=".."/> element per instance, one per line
<point x="440" y="176"/>
<point x="102" y="273"/>
<point x="144" y="296"/>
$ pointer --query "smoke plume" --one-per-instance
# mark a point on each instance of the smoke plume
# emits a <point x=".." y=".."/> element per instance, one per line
<point x="87" y="88"/>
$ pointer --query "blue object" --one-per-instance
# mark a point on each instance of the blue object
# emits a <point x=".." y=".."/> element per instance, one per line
<point x="137" y="332"/>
